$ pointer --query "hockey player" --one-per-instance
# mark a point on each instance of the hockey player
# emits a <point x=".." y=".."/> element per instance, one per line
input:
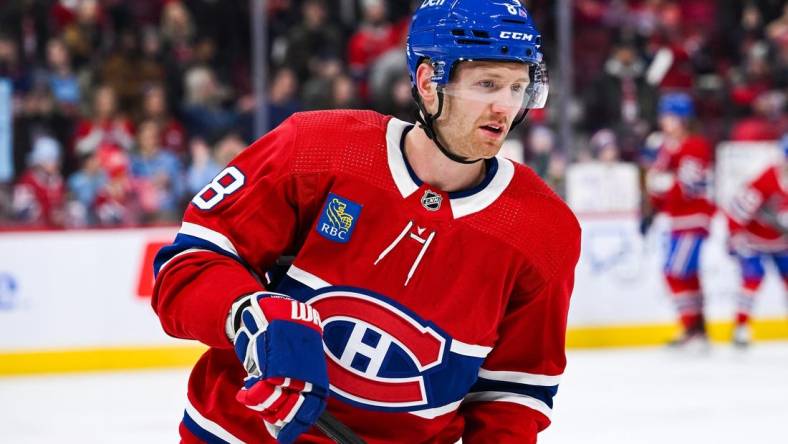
<point x="758" y="226"/>
<point x="678" y="186"/>
<point x="427" y="299"/>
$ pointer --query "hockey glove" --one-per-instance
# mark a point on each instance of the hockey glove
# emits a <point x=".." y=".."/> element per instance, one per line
<point x="279" y="341"/>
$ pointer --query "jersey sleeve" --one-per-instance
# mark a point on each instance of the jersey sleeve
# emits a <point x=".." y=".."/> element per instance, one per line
<point x="253" y="212"/>
<point x="745" y="204"/>
<point x="512" y="398"/>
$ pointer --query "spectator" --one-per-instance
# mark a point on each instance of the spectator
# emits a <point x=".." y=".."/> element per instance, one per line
<point x="541" y="143"/>
<point x="314" y="36"/>
<point x="118" y="202"/>
<point x="769" y="121"/>
<point x="11" y="68"/>
<point x="316" y="93"/>
<point x="84" y="186"/>
<point x="203" y="167"/>
<point x="344" y="94"/>
<point x="621" y="99"/>
<point x="161" y="169"/>
<point x="604" y="146"/>
<point x="106" y="128"/>
<point x="62" y="80"/>
<point x="374" y="37"/>
<point x="282" y="98"/>
<point x="154" y="107"/>
<point x="204" y="112"/>
<point x="84" y="35"/>
<point x="228" y="147"/>
<point x="39" y="195"/>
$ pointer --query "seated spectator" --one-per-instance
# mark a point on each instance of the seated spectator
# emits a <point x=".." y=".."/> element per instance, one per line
<point x="84" y="186"/>
<point x="344" y="94"/>
<point x="84" y="31"/>
<point x="39" y="195"/>
<point x="228" y="147"/>
<point x="106" y="127"/>
<point x="118" y="202"/>
<point x="62" y="80"/>
<point x="316" y="92"/>
<point x="373" y="37"/>
<point x="282" y="97"/>
<point x="203" y="167"/>
<point x="161" y="169"/>
<point x="541" y="144"/>
<point x="154" y="107"/>
<point x="769" y="121"/>
<point x="604" y="146"/>
<point x="11" y="68"/>
<point x="204" y="113"/>
<point x="312" y="37"/>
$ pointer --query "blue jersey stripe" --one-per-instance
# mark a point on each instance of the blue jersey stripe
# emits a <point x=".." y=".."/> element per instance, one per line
<point x="185" y="242"/>
<point x="200" y="432"/>
<point x="542" y="393"/>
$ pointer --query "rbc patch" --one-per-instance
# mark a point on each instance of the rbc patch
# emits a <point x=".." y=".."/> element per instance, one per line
<point x="338" y="219"/>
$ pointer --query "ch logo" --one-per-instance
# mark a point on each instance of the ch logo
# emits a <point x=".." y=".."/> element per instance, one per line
<point x="377" y="352"/>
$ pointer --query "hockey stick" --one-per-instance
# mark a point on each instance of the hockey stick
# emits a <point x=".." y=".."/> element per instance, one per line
<point x="334" y="429"/>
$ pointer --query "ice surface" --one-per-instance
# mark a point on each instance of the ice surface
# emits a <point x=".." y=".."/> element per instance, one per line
<point x="611" y="396"/>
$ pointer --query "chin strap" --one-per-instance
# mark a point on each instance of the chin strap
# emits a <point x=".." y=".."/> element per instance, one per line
<point x="427" y="123"/>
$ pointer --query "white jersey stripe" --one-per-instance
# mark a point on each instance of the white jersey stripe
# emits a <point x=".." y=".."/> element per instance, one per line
<point x="484" y="198"/>
<point x="437" y="411"/>
<point x="523" y="400"/>
<point x="307" y="278"/>
<point x="520" y="377"/>
<point x="210" y="426"/>
<point x="184" y="252"/>
<point x="399" y="171"/>
<point x="476" y="351"/>
<point x="209" y="235"/>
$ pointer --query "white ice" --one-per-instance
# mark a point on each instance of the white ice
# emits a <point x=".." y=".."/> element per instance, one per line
<point x="613" y="396"/>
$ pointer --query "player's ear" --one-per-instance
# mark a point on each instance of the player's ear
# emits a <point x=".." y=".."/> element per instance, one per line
<point x="427" y="88"/>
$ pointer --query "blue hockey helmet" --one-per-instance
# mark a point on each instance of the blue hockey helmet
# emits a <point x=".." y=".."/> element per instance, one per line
<point x="677" y="104"/>
<point x="447" y="32"/>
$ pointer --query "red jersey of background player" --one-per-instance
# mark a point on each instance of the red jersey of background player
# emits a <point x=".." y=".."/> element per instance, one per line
<point x="760" y="212"/>
<point x="444" y="314"/>
<point x="684" y="192"/>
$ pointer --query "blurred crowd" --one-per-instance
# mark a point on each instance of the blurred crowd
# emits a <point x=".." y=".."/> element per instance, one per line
<point x="123" y="110"/>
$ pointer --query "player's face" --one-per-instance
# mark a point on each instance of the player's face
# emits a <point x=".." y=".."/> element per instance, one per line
<point x="481" y="102"/>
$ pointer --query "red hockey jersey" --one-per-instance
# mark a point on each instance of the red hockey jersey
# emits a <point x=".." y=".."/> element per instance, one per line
<point x="679" y="185"/>
<point x="760" y="211"/>
<point x="444" y="314"/>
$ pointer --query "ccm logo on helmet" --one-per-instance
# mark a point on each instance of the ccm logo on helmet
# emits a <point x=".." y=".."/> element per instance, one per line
<point x="432" y="3"/>
<point x="516" y="35"/>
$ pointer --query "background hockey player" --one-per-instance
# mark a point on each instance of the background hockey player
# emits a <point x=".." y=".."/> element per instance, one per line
<point x="678" y="186"/>
<point x="431" y="279"/>
<point x="758" y="225"/>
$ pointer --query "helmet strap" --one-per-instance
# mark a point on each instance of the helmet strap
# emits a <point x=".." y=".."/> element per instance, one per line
<point x="427" y="123"/>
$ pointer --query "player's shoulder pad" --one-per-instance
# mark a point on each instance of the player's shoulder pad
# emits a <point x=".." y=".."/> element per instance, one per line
<point x="533" y="219"/>
<point x="341" y="141"/>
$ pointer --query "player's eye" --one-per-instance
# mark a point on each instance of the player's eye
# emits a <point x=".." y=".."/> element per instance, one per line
<point x="517" y="88"/>
<point x="488" y="84"/>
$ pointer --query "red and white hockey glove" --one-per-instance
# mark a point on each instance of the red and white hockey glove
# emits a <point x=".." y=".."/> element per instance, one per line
<point x="279" y="341"/>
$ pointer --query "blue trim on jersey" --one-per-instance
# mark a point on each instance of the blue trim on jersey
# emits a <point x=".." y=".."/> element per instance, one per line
<point x="185" y="242"/>
<point x="200" y="432"/>
<point x="540" y="392"/>
<point x="752" y="266"/>
<point x="683" y="258"/>
<point x="491" y="164"/>
<point x="445" y="383"/>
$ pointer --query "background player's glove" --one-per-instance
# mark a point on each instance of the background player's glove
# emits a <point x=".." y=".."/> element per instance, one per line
<point x="279" y="341"/>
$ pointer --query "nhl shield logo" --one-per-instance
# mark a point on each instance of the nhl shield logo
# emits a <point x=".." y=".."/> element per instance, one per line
<point x="431" y="200"/>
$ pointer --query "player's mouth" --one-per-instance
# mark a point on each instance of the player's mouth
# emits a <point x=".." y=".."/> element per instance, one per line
<point x="493" y="130"/>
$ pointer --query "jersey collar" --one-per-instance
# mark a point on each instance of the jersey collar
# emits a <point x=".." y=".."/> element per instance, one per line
<point x="500" y="172"/>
